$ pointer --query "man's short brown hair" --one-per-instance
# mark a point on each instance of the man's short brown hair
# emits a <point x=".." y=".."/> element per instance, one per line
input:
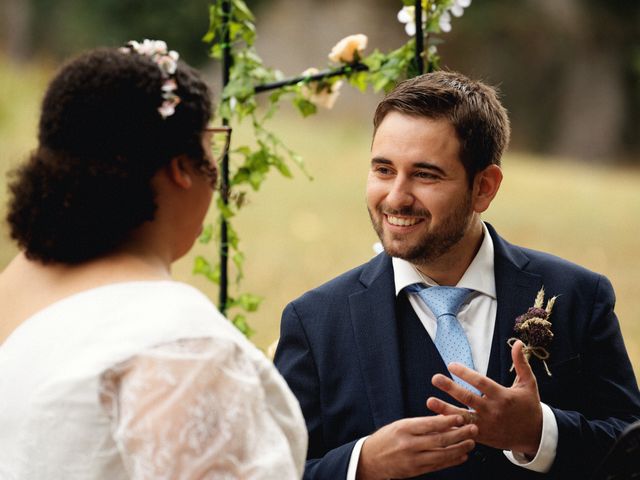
<point x="473" y="108"/>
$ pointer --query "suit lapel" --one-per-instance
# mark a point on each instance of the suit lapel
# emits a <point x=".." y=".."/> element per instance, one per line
<point x="516" y="291"/>
<point x="373" y="318"/>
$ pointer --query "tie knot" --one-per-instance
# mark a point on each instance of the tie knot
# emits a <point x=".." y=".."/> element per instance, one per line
<point x="442" y="300"/>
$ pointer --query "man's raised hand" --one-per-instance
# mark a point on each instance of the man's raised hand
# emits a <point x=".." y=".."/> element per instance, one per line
<point x="507" y="418"/>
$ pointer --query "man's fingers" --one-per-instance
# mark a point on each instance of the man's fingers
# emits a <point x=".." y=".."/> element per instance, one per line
<point x="523" y="369"/>
<point x="437" y="423"/>
<point x="440" y="406"/>
<point x="482" y="383"/>
<point x="445" y="457"/>
<point x="458" y="392"/>
<point x="449" y="438"/>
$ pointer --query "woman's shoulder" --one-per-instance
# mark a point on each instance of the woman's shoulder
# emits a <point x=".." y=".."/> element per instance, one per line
<point x="118" y="320"/>
<point x="156" y="307"/>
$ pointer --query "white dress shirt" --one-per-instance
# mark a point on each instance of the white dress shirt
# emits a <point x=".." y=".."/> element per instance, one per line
<point x="477" y="317"/>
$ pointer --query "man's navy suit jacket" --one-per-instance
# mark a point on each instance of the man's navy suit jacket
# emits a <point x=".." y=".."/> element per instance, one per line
<point x="339" y="352"/>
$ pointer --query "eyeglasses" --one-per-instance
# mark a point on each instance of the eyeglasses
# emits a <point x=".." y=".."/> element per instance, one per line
<point x="220" y="141"/>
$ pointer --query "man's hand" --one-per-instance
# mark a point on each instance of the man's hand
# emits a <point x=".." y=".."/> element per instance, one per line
<point x="507" y="418"/>
<point x="413" y="446"/>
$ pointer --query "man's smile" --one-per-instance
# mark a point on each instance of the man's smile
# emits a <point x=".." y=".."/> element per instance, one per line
<point x="402" y="221"/>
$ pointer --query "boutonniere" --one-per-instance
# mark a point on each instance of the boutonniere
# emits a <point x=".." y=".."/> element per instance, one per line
<point x="534" y="329"/>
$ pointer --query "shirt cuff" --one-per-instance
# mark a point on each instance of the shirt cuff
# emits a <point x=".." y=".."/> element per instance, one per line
<point x="546" y="454"/>
<point x="355" y="456"/>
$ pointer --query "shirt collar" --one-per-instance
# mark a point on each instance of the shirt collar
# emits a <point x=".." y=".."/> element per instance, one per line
<point x="479" y="275"/>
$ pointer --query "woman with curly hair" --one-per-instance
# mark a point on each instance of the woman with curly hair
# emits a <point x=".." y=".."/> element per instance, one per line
<point x="108" y="368"/>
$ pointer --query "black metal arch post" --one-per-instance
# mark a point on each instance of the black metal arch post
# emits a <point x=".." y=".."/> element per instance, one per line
<point x="419" y="37"/>
<point x="227" y="61"/>
<point x="224" y="173"/>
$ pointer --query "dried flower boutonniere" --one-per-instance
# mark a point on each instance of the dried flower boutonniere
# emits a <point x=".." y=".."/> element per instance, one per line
<point x="534" y="329"/>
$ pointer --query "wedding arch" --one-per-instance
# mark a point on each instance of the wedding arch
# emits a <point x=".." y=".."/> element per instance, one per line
<point x="232" y="35"/>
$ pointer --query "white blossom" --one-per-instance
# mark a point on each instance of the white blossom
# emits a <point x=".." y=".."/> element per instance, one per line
<point x="407" y="15"/>
<point x="167" y="109"/>
<point x="457" y="9"/>
<point x="445" y="22"/>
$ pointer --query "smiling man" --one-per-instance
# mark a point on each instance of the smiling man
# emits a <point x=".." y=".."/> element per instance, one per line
<point x="403" y="366"/>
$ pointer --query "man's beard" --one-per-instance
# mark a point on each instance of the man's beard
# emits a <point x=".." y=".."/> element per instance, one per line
<point x="435" y="242"/>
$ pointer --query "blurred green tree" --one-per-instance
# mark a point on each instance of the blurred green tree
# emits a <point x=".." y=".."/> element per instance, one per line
<point x="64" y="27"/>
<point x="569" y="69"/>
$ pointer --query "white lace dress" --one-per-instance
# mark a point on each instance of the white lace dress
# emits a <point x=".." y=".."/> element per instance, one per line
<point x="142" y="380"/>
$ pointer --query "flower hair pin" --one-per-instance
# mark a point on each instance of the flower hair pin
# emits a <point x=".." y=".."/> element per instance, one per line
<point x="534" y="329"/>
<point x="167" y="61"/>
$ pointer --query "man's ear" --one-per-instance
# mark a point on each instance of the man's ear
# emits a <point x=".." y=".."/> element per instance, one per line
<point x="179" y="172"/>
<point x="485" y="187"/>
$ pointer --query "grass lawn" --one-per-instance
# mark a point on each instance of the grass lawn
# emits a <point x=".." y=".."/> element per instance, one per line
<point x="298" y="233"/>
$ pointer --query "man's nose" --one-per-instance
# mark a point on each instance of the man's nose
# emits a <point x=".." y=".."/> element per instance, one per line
<point x="400" y="194"/>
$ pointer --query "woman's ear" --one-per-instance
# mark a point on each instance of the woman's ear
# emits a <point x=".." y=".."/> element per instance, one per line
<point x="485" y="187"/>
<point x="179" y="171"/>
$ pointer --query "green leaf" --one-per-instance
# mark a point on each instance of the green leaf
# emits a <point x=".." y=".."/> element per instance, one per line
<point x="249" y="33"/>
<point x="232" y="237"/>
<point x="249" y="302"/>
<point x="238" y="260"/>
<point x="242" y="11"/>
<point x="380" y="83"/>
<point x="243" y="150"/>
<point x="225" y="210"/>
<point x="305" y="107"/>
<point x="283" y="169"/>
<point x="213" y="24"/>
<point x="240" y="322"/>
<point x="202" y="267"/>
<point x="359" y="80"/>
<point x="255" y="179"/>
<point x="207" y="234"/>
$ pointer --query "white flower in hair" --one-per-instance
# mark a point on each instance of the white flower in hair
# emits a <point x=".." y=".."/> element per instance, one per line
<point x="160" y="46"/>
<point x="170" y="85"/>
<point x="167" y="62"/>
<point x="167" y="109"/>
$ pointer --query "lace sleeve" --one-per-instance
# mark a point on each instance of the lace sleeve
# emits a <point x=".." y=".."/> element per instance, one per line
<point x="197" y="409"/>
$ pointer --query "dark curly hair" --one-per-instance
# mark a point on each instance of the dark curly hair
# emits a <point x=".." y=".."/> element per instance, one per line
<point x="101" y="139"/>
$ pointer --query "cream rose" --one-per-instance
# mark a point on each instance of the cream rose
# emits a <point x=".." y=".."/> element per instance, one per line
<point x="345" y="50"/>
<point x="321" y="94"/>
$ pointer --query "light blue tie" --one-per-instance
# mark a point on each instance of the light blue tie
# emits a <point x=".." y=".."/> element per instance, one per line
<point x="451" y="340"/>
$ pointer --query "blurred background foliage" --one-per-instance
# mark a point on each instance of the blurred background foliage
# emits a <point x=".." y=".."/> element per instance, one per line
<point x="569" y="72"/>
<point x="569" y="69"/>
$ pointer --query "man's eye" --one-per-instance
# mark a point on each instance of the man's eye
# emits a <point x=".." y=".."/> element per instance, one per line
<point x="383" y="170"/>
<point x="426" y="175"/>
